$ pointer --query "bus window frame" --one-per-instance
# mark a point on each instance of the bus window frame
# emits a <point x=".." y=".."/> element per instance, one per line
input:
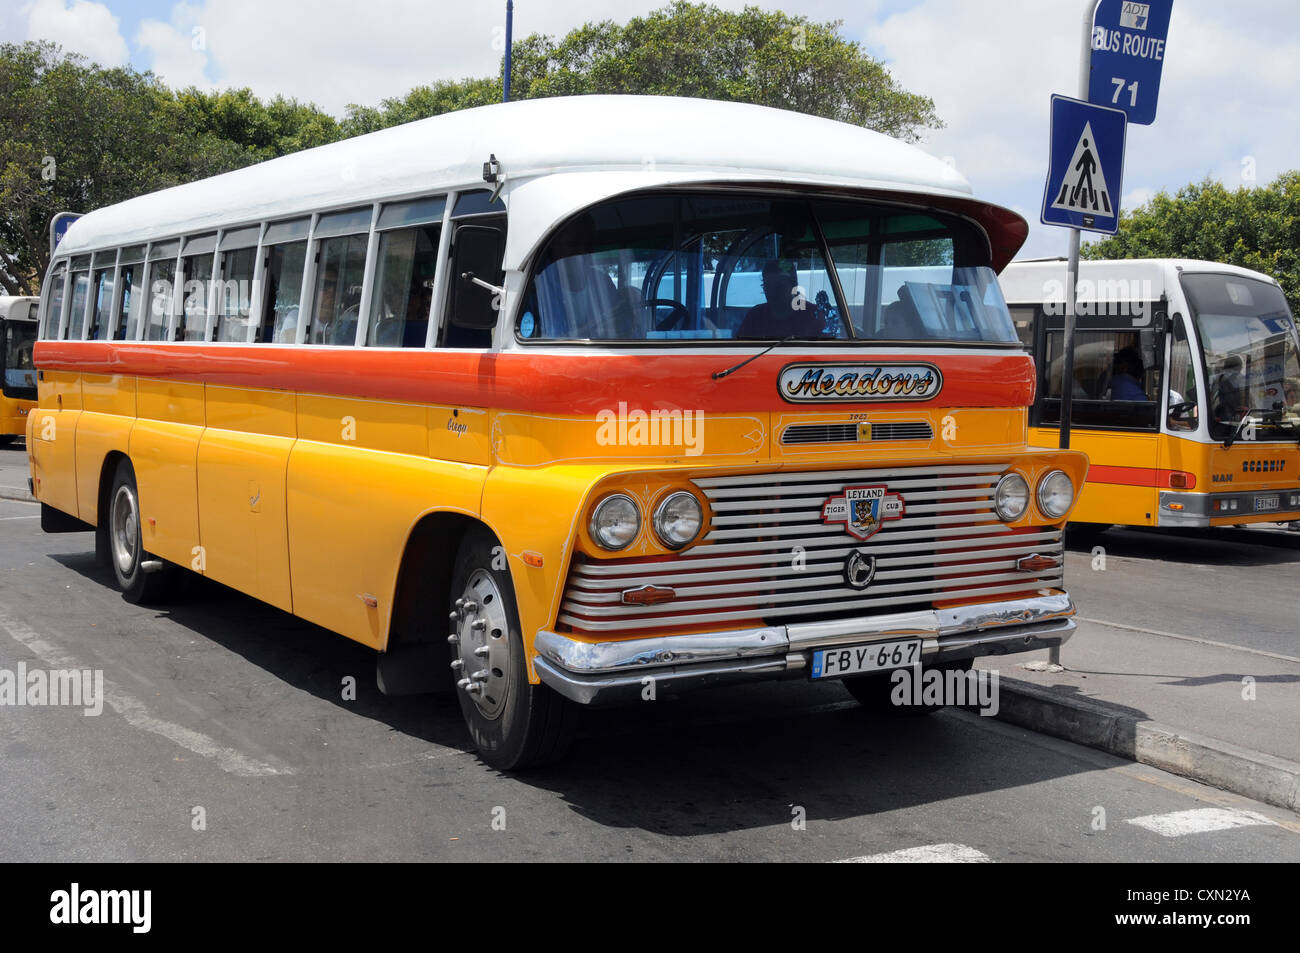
<point x="111" y="325"/>
<point x="1045" y="325"/>
<point x="237" y="234"/>
<point x="490" y="214"/>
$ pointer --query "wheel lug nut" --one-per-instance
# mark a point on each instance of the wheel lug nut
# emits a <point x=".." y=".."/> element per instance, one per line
<point x="454" y="639"/>
<point x="481" y="675"/>
<point x="457" y="665"/>
<point x="479" y="625"/>
<point x="482" y="651"/>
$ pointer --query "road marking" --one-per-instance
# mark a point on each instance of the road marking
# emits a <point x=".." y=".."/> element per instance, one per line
<point x="1202" y="820"/>
<point x="930" y="854"/>
<point x="1189" y="638"/>
<point x="137" y="714"/>
<point x="3" y="518"/>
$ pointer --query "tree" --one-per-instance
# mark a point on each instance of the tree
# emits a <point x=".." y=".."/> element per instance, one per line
<point x="685" y="49"/>
<point x="74" y="137"/>
<point x="1257" y="228"/>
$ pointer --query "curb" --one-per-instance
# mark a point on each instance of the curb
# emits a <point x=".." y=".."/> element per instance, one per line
<point x="1252" y="774"/>
<point x="16" y="493"/>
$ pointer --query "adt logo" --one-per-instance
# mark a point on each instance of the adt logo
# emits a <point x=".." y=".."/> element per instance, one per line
<point x="1135" y="15"/>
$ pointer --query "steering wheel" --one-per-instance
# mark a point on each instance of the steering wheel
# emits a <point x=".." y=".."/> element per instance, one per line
<point x="677" y="317"/>
<point x="1178" y="410"/>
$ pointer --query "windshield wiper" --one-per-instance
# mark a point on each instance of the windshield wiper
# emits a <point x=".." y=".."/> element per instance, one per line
<point x="719" y="375"/>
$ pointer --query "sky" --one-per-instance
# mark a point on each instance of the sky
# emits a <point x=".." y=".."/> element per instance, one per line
<point x="1229" y="98"/>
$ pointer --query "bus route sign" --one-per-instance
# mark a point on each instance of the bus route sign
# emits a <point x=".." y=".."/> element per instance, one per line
<point x="1128" y="55"/>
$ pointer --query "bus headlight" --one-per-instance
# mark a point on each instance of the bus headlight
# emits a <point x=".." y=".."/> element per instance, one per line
<point x="1055" y="495"/>
<point x="1011" y="498"/>
<point x="678" y="519"/>
<point x="615" y="522"/>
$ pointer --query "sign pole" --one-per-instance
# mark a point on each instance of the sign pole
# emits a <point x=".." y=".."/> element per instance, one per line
<point x="1072" y="262"/>
<point x="510" y="25"/>
<point x="1072" y="276"/>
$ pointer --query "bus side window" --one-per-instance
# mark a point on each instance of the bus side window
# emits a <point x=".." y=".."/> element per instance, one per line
<point x="54" y="304"/>
<point x="102" y="309"/>
<point x="1183" y="405"/>
<point x="454" y="336"/>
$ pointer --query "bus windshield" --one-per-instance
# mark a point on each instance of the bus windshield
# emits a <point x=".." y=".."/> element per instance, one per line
<point x="16" y="341"/>
<point x="1252" y="360"/>
<point x="733" y="266"/>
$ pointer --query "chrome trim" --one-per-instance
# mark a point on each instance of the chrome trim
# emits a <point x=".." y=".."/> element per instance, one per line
<point x="1198" y="508"/>
<point x="600" y="672"/>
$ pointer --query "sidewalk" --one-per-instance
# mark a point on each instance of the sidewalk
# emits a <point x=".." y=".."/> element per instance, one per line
<point x="14" y="472"/>
<point x="1220" y="714"/>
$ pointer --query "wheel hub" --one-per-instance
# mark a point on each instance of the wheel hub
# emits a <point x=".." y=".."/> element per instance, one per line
<point x="124" y="530"/>
<point x="480" y="644"/>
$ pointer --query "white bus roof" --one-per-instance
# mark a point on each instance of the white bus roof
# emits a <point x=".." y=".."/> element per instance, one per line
<point x="1040" y="280"/>
<point x="604" y="145"/>
<point x="18" y="308"/>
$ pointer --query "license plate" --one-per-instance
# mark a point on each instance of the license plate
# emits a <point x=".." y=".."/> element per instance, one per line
<point x="1267" y="503"/>
<point x="856" y="659"/>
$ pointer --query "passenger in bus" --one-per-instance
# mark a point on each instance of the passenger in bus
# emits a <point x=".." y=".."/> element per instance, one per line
<point x="1127" y="373"/>
<point x="785" y="313"/>
<point x="901" y="319"/>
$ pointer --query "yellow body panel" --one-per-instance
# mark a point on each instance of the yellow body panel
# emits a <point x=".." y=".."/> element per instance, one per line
<point x="1209" y="469"/>
<point x="241" y="493"/>
<point x="350" y="512"/>
<point x="52" y="440"/>
<point x="13" y="415"/>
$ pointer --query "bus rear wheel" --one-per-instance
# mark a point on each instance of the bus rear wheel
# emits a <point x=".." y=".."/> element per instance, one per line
<point x="514" y="724"/>
<point x="143" y="578"/>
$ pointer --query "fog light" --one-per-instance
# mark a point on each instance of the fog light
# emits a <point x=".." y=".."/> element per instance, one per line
<point x="1055" y="494"/>
<point x="678" y="519"/>
<point x="1011" y="498"/>
<point x="615" y="522"/>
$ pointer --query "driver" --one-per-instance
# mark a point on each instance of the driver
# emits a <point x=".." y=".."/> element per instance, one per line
<point x="784" y="313"/>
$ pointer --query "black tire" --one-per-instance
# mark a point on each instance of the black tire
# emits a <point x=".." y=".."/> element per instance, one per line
<point x="126" y="550"/>
<point x="6" y="439"/>
<point x="874" y="692"/>
<point x="514" y="724"/>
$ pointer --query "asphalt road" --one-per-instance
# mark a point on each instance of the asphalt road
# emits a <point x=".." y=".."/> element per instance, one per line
<point x="1236" y="586"/>
<point x="224" y="710"/>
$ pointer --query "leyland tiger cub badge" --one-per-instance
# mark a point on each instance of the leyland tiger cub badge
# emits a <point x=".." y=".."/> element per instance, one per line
<point x="862" y="509"/>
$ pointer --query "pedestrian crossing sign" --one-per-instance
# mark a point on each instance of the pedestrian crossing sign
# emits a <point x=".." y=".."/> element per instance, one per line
<point x="1086" y="166"/>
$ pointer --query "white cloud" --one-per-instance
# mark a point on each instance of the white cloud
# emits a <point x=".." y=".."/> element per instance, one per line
<point x="80" y="27"/>
<point x="177" y="50"/>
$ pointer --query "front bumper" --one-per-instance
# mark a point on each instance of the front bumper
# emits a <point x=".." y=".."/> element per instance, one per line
<point x="610" y="672"/>
<point x="1199" y="509"/>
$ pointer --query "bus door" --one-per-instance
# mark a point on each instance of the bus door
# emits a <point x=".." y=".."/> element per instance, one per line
<point x="1118" y="387"/>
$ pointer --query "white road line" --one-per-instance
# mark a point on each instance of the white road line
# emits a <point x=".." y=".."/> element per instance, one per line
<point x="930" y="854"/>
<point x="1188" y="638"/>
<point x="3" y="518"/>
<point x="1199" y="821"/>
<point x="137" y="714"/>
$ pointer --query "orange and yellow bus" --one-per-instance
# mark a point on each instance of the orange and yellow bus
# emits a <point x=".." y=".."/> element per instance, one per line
<point x="568" y="401"/>
<point x="18" y="317"/>
<point x="1186" y="392"/>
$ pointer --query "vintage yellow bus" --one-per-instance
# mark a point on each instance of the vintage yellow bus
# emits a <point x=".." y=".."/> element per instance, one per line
<point x="1186" y="392"/>
<point x="568" y="401"/>
<point x="18" y="317"/>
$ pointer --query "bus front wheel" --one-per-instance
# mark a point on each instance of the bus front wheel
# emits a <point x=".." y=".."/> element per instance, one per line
<point x="513" y="723"/>
<point x="143" y="578"/>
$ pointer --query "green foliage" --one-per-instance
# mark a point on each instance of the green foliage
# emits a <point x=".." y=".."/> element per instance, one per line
<point x="1255" y="228"/>
<point x="685" y="49"/>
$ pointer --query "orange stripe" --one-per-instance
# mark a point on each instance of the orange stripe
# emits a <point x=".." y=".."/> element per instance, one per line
<point x="520" y="380"/>
<point x="1138" y="476"/>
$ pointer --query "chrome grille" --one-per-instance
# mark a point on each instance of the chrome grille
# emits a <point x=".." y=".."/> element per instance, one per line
<point x="798" y="434"/>
<point x="903" y="430"/>
<point x="948" y="545"/>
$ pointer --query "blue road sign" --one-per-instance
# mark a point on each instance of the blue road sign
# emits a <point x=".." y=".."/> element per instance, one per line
<point x="59" y="227"/>
<point x="1128" y="54"/>
<point x="1085" y="174"/>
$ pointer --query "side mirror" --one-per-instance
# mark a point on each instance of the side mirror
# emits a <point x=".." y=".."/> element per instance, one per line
<point x="476" y="269"/>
